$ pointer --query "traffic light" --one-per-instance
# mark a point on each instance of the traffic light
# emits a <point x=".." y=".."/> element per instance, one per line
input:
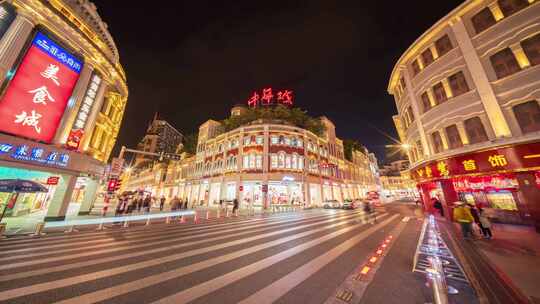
<point x="111" y="186"/>
<point x="118" y="184"/>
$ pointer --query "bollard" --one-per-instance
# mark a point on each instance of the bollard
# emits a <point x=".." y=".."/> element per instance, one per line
<point x="2" y="230"/>
<point x="182" y="219"/>
<point x="147" y="222"/>
<point x="126" y="224"/>
<point x="207" y="214"/>
<point x="39" y="229"/>
<point x="195" y="218"/>
<point x="168" y="220"/>
<point x="227" y="215"/>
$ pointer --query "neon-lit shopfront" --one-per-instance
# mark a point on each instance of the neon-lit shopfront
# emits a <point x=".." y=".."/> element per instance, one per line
<point x="503" y="181"/>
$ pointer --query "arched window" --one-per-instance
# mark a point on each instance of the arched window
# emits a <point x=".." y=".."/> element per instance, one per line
<point x="288" y="161"/>
<point x="294" y="163"/>
<point x="281" y="160"/>
<point x="273" y="161"/>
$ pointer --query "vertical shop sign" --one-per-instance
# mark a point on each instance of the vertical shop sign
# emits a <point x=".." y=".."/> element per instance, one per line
<point x="37" y="97"/>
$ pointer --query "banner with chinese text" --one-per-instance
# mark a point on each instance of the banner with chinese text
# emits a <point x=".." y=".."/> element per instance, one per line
<point x="37" y="97"/>
<point x="502" y="159"/>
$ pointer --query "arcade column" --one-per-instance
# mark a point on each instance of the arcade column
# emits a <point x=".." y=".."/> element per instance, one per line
<point x="61" y="198"/>
<point x="449" y="197"/>
<point x="89" y="196"/>
<point x="529" y="194"/>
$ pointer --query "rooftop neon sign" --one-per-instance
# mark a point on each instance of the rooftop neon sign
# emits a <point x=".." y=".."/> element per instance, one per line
<point x="267" y="98"/>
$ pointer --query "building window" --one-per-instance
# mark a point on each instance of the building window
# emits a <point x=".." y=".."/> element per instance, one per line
<point x="483" y="20"/>
<point x="528" y="116"/>
<point x="439" y="93"/>
<point x="475" y="130"/>
<point x="247" y="140"/>
<point x="300" y="163"/>
<point x="274" y="140"/>
<point x="415" y="67"/>
<point x="294" y="160"/>
<point x="252" y="161"/>
<point x="452" y="135"/>
<point x="287" y="141"/>
<point x="427" y="57"/>
<point x="531" y="47"/>
<point x="259" y="140"/>
<point x="258" y="161"/>
<point x="402" y="82"/>
<point x="273" y="161"/>
<point x="458" y="84"/>
<point x="281" y="160"/>
<point x="425" y="102"/>
<point x="504" y="63"/>
<point x="246" y="162"/>
<point x="443" y="45"/>
<point x="288" y="161"/>
<point x="509" y="7"/>
<point x="299" y="143"/>
<point x="437" y="142"/>
<point x="420" y="149"/>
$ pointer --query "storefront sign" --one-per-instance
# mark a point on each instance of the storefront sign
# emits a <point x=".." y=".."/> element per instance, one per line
<point x="37" y="96"/>
<point x="74" y="139"/>
<point x="502" y="159"/>
<point x="267" y="98"/>
<point x="35" y="154"/>
<point x="87" y="103"/>
<point x="53" y="180"/>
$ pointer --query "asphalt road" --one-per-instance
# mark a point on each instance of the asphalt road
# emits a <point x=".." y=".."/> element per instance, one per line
<point x="300" y="257"/>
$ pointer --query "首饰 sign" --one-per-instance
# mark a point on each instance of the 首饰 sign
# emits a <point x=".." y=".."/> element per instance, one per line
<point x="503" y="159"/>
<point x="36" y="98"/>
<point x="267" y="98"/>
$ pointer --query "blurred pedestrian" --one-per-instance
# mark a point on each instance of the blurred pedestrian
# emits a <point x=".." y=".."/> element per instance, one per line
<point x="161" y="202"/>
<point x="437" y="205"/>
<point x="235" y="206"/>
<point x="139" y="203"/>
<point x="485" y="225"/>
<point x="463" y="216"/>
<point x="474" y="213"/>
<point x="146" y="203"/>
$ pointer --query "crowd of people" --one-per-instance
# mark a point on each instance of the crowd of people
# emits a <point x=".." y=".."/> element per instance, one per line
<point x="466" y="215"/>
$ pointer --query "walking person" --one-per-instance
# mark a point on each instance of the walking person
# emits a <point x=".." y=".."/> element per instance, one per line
<point x="161" y="203"/>
<point x="139" y="203"/>
<point x="235" y="207"/>
<point x="485" y="225"/>
<point x="475" y="215"/>
<point x="146" y="203"/>
<point x="463" y="216"/>
<point x="438" y="205"/>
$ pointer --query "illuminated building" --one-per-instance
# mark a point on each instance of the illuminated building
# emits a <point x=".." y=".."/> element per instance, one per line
<point x="63" y="96"/>
<point x="467" y="93"/>
<point x="268" y="162"/>
<point x="396" y="182"/>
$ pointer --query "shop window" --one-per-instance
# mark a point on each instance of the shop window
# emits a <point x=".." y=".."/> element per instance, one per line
<point x="458" y="84"/>
<point x="531" y="47"/>
<point x="439" y="93"/>
<point x="475" y="130"/>
<point x="504" y="63"/>
<point x="483" y="20"/>
<point x="443" y="45"/>
<point x="454" y="140"/>
<point x="425" y="102"/>
<point x="273" y="161"/>
<point x="427" y="57"/>
<point x="415" y="67"/>
<point x="509" y="7"/>
<point x="528" y="116"/>
<point x="437" y="142"/>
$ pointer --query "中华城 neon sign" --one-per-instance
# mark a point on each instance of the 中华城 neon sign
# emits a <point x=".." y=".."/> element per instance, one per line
<point x="266" y="98"/>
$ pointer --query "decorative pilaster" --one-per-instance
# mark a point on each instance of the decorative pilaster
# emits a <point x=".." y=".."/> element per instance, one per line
<point x="13" y="42"/>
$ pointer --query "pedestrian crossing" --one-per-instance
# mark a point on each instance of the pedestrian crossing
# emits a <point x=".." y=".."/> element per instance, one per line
<point x="261" y="259"/>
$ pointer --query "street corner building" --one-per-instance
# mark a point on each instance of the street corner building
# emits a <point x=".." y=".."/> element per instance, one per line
<point x="467" y="94"/>
<point x="63" y="95"/>
<point x="269" y="162"/>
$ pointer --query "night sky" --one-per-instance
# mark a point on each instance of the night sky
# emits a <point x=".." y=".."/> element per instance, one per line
<point x="192" y="60"/>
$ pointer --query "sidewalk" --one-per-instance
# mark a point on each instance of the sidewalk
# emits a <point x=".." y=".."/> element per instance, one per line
<point x="505" y="268"/>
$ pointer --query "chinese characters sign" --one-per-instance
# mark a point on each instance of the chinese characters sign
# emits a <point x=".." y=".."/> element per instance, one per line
<point x="35" y="154"/>
<point x="37" y="96"/>
<point x="266" y="98"/>
<point x="501" y="159"/>
<point x="87" y="102"/>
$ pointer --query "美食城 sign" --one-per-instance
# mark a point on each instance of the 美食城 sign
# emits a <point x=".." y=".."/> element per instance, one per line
<point x="36" y="98"/>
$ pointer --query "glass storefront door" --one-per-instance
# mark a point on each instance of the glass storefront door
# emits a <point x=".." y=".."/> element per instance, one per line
<point x="215" y="190"/>
<point x="327" y="193"/>
<point x="315" y="194"/>
<point x="253" y="195"/>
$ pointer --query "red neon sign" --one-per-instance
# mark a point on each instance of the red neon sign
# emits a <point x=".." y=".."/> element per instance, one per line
<point x="267" y="98"/>
<point x="37" y="96"/>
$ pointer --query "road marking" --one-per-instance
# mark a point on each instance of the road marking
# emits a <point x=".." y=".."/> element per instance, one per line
<point x="40" y="287"/>
<point x="280" y="287"/>
<point x="173" y="274"/>
<point x="115" y="246"/>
